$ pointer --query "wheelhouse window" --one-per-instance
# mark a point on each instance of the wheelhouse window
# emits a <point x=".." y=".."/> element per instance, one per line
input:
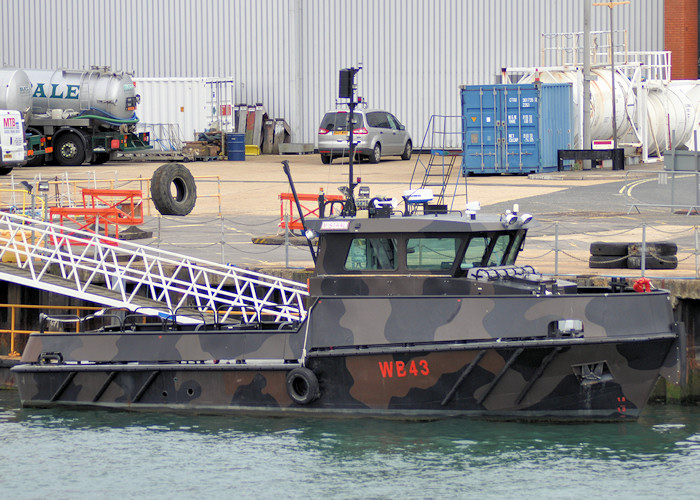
<point x="433" y="254"/>
<point x="371" y="254"/>
<point x="514" y="248"/>
<point x="476" y="250"/>
<point x="499" y="249"/>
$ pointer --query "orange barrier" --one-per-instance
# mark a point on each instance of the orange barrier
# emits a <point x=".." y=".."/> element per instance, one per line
<point x="102" y="207"/>
<point x="86" y="219"/>
<point x="127" y="202"/>
<point x="294" y="218"/>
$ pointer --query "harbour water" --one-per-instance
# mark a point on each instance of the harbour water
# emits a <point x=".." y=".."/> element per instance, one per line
<point x="104" y="454"/>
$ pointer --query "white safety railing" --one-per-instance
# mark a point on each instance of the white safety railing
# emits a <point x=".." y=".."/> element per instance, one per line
<point x="34" y="253"/>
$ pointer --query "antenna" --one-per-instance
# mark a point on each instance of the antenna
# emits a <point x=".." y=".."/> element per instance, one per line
<point x="347" y="90"/>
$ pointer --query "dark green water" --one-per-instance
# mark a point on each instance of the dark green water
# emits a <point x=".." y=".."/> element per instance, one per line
<point x="102" y="454"/>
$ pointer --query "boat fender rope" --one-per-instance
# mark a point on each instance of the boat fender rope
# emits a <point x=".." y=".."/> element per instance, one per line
<point x="302" y="386"/>
<point x="642" y="285"/>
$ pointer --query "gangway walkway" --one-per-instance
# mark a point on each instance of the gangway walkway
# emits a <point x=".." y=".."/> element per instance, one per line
<point x="122" y="274"/>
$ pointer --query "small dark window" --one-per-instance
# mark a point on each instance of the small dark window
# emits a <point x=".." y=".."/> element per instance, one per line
<point x="371" y="254"/>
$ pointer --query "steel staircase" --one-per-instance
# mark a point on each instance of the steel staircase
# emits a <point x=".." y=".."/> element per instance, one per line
<point x="442" y="140"/>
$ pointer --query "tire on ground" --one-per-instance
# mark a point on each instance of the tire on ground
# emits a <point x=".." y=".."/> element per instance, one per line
<point x="607" y="262"/>
<point x="603" y="248"/>
<point x="651" y="262"/>
<point x="173" y="189"/>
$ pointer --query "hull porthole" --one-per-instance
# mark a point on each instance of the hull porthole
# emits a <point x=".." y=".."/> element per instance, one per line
<point x="302" y="386"/>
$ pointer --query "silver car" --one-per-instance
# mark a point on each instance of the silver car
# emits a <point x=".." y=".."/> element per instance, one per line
<point x="376" y="133"/>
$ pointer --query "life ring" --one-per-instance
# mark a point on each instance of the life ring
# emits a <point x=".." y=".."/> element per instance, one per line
<point x="302" y="386"/>
<point x="642" y="285"/>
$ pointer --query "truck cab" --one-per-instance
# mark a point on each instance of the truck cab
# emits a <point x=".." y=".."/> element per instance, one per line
<point x="13" y="149"/>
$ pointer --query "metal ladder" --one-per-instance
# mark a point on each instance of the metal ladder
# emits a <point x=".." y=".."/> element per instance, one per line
<point x="442" y="140"/>
<point x="122" y="274"/>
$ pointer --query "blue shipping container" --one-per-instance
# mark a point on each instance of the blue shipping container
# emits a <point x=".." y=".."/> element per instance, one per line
<point x="515" y="128"/>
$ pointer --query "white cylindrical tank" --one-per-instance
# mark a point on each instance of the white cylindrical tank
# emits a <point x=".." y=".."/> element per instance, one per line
<point x="601" y="101"/>
<point x="93" y="91"/>
<point x="671" y="117"/>
<point x="602" y="104"/>
<point x="15" y="90"/>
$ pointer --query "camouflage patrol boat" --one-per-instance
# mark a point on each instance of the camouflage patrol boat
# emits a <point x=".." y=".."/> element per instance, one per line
<point x="417" y="316"/>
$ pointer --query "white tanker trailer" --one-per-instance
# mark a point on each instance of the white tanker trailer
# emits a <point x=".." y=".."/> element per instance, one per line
<point x="74" y="116"/>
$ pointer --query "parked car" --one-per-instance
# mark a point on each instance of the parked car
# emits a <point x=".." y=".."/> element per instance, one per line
<point x="376" y="133"/>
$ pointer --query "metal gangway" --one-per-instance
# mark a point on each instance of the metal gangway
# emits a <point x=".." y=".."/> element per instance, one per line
<point x="122" y="274"/>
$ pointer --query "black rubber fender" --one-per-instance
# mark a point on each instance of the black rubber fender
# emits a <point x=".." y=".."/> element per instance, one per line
<point x="302" y="386"/>
<point x="652" y="262"/>
<point x="662" y="248"/>
<point x="607" y="262"/>
<point x="607" y="248"/>
<point x="164" y="179"/>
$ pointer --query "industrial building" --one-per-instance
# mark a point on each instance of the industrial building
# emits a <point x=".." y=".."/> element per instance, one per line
<point x="285" y="54"/>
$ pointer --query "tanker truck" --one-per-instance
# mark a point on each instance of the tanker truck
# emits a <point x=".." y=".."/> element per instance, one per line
<point x="73" y="116"/>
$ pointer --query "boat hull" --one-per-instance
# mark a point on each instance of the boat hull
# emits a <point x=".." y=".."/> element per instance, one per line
<point x="562" y="379"/>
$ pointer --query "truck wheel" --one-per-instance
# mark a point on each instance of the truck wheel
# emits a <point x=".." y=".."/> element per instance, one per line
<point x="173" y="189"/>
<point x="35" y="161"/>
<point x="69" y="150"/>
<point x="5" y="170"/>
<point x="100" y="158"/>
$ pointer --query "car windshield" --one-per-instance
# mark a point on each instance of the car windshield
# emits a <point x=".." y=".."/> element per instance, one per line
<point x="339" y="120"/>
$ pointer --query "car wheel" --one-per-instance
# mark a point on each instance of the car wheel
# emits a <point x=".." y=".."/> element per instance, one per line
<point x="406" y="155"/>
<point x="326" y="159"/>
<point x="376" y="154"/>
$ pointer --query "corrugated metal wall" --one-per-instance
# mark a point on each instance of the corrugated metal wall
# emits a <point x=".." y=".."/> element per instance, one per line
<point x="287" y="53"/>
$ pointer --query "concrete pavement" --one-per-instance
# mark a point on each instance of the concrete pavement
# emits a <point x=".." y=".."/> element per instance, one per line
<point x="240" y="200"/>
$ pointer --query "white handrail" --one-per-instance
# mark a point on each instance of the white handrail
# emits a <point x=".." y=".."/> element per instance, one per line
<point x="83" y="259"/>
